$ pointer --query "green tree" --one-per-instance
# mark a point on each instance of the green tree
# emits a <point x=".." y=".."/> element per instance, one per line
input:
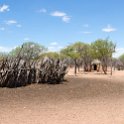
<point x="79" y="52"/>
<point x="103" y="50"/>
<point x="71" y="52"/>
<point x="52" y="55"/>
<point x="28" y="50"/>
<point x="3" y="55"/>
<point x="122" y="58"/>
<point x="86" y="55"/>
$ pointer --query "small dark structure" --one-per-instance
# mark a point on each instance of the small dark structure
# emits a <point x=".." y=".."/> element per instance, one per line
<point x="96" y="65"/>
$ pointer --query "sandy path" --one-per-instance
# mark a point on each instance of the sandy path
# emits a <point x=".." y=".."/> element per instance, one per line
<point x="87" y="100"/>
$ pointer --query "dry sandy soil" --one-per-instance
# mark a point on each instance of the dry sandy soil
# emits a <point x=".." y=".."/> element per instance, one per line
<point x="83" y="99"/>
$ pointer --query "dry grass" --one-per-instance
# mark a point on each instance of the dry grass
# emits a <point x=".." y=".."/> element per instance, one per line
<point x="83" y="99"/>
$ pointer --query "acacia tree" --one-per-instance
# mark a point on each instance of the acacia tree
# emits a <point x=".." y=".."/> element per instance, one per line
<point x="52" y="55"/>
<point x="103" y="50"/>
<point x="28" y="50"/>
<point x="121" y="58"/>
<point x="80" y="53"/>
<point x="86" y="55"/>
<point x="72" y="53"/>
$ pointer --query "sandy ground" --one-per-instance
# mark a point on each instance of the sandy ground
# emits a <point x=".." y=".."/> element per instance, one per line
<point x="91" y="98"/>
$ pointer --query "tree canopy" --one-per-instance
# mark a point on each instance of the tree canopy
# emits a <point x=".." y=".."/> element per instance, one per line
<point x="122" y="58"/>
<point x="52" y="55"/>
<point x="78" y="52"/>
<point x="28" y="50"/>
<point x="103" y="48"/>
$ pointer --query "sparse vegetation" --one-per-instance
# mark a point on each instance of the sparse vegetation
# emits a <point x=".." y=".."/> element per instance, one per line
<point x="22" y="70"/>
<point x="31" y="63"/>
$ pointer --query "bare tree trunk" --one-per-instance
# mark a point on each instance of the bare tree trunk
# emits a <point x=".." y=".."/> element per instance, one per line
<point x="104" y="68"/>
<point x="111" y="65"/>
<point x="75" y="68"/>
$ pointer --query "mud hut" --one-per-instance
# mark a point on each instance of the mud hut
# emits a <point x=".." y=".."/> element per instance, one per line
<point x="96" y="65"/>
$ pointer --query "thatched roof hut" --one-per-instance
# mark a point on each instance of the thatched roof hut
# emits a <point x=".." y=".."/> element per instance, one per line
<point x="96" y="61"/>
<point x="96" y="64"/>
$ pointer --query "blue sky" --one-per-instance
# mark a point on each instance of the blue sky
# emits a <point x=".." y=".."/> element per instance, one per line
<point x="58" y="23"/>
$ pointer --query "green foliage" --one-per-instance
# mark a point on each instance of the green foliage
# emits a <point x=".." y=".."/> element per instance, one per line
<point x="52" y="55"/>
<point x="3" y="55"/>
<point x="86" y="51"/>
<point x="122" y="58"/>
<point x="102" y="48"/>
<point x="28" y="50"/>
<point x="73" y="51"/>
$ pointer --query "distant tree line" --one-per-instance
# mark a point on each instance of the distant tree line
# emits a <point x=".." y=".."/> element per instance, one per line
<point x="78" y="54"/>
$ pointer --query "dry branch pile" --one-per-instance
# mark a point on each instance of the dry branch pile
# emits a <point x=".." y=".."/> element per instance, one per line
<point x="15" y="72"/>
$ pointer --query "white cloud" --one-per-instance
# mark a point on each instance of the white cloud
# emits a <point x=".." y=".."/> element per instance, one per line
<point x="10" y="22"/>
<point x="4" y="8"/>
<point x="5" y="49"/>
<point x="119" y="51"/>
<point x="26" y="39"/>
<point x="108" y="29"/>
<point x="2" y="28"/>
<point x="62" y="15"/>
<point x="53" y="43"/>
<point x="66" y="19"/>
<point x="18" y="25"/>
<point x="43" y="10"/>
<point x="13" y="22"/>
<point x="58" y="14"/>
<point x="54" y="47"/>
